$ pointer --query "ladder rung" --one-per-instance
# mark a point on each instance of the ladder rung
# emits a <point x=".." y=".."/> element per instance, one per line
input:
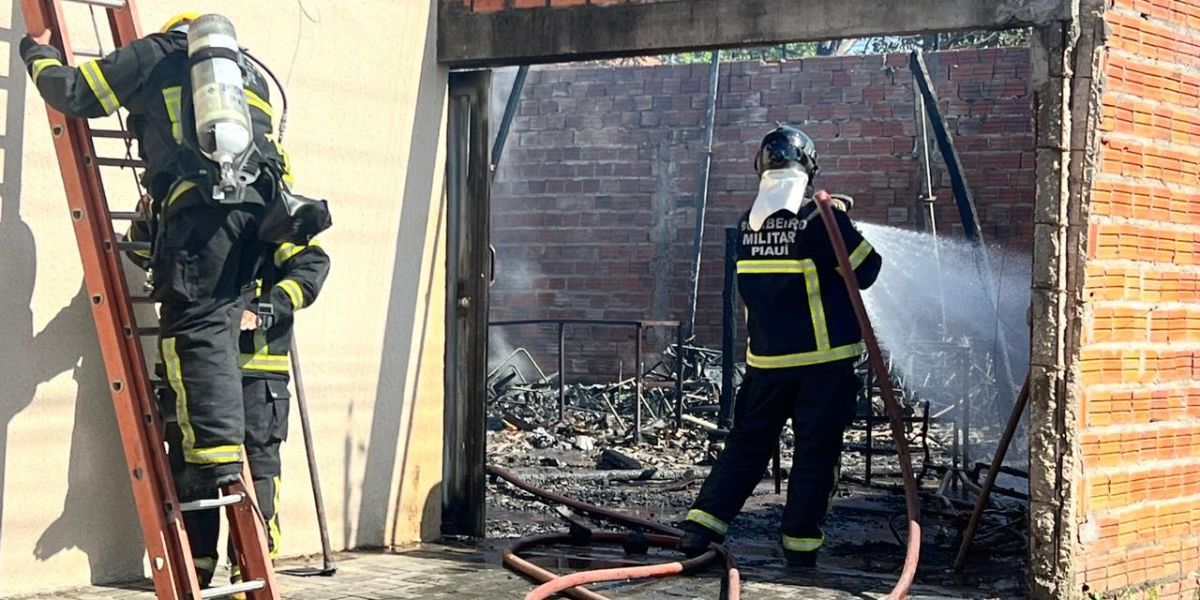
<point x="116" y="134"/>
<point x="124" y="215"/>
<point x="120" y="162"/>
<point x="141" y="299"/>
<point x="87" y="53"/>
<point x="211" y="503"/>
<point x="104" y="3"/>
<point x="147" y="331"/>
<point x="124" y="245"/>
<point x="229" y="590"/>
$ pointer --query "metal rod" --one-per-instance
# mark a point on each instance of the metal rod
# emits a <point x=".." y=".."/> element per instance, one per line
<point x="714" y="78"/>
<point x="105" y="3"/>
<point x="613" y="322"/>
<point x="1014" y="419"/>
<point x="637" y="365"/>
<point x="210" y="503"/>
<point x="776" y="472"/>
<point x="330" y="567"/>
<point x="124" y="163"/>
<point x="562" y="370"/>
<point x="927" y="198"/>
<point x="510" y="111"/>
<point x="870" y="453"/>
<point x="118" y="134"/>
<point x="120" y="215"/>
<point x="728" y="330"/>
<point x="679" y="366"/>
<point x="966" y="209"/>
<point x="958" y="180"/>
<point x="875" y="355"/>
<point x="231" y="589"/>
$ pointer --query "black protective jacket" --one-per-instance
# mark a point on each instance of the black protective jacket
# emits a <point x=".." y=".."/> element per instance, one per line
<point x="149" y="78"/>
<point x="798" y="311"/>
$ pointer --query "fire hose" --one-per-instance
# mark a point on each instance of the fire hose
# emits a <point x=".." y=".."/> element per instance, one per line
<point x="891" y="406"/>
<point x="665" y="537"/>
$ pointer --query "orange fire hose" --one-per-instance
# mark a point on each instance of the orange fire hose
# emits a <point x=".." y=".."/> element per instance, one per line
<point x="875" y="357"/>
<point x="667" y="537"/>
<point x="566" y="582"/>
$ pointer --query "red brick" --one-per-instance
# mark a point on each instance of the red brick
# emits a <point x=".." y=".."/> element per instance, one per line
<point x="487" y="5"/>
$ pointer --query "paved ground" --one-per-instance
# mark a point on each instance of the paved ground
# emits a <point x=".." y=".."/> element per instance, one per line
<point x="439" y="572"/>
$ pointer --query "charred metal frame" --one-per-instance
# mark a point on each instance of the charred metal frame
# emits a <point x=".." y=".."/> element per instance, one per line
<point x="639" y="328"/>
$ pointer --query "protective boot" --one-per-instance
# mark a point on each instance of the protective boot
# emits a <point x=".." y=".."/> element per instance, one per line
<point x="697" y="538"/>
<point x="800" y="560"/>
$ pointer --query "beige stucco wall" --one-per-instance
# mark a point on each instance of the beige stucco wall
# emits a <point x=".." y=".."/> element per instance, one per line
<point x="365" y="131"/>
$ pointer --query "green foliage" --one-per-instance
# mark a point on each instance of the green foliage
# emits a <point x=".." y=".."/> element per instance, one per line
<point x="763" y="53"/>
<point x="878" y="45"/>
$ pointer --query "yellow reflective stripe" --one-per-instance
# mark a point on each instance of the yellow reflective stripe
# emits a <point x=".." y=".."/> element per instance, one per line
<point x="816" y="308"/>
<point x="252" y="362"/>
<point x="261" y="359"/>
<point x="99" y="85"/>
<point x="273" y="525"/>
<point x="765" y="267"/>
<point x="812" y="285"/>
<point x="860" y="254"/>
<point x="173" y="101"/>
<point x="175" y="379"/>
<point x="181" y="188"/>
<point x="799" y="544"/>
<point x="217" y="455"/>
<point x="803" y="359"/>
<point x="698" y="516"/>
<point x="256" y="101"/>
<point x="295" y="294"/>
<point x="42" y="64"/>
<point x="288" y="178"/>
<point x="287" y="250"/>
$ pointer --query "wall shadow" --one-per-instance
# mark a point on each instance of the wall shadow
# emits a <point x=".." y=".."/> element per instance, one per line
<point x="402" y="315"/>
<point x="98" y="515"/>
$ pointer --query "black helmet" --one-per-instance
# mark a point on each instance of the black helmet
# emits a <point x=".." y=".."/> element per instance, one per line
<point x="784" y="147"/>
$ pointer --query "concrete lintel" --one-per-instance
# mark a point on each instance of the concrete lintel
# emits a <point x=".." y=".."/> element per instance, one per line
<point x="526" y="36"/>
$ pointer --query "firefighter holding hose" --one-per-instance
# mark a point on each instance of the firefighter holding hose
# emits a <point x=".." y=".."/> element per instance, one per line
<point x="804" y="342"/>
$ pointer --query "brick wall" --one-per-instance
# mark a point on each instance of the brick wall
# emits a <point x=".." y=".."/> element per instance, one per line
<point x="498" y="5"/>
<point x="593" y="205"/>
<point x="1140" y="366"/>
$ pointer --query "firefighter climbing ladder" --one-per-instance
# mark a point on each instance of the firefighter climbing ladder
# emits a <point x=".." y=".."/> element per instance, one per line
<point x="140" y="426"/>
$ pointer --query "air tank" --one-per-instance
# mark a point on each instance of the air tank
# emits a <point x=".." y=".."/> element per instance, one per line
<point x="223" y="125"/>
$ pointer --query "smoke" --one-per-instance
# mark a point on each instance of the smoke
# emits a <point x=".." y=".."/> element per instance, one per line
<point x="945" y="327"/>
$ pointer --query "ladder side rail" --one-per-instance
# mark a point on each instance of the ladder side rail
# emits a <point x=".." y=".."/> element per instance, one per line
<point x="123" y="24"/>
<point x="125" y="371"/>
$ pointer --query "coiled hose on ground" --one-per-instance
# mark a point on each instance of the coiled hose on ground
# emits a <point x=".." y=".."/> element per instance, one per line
<point x="665" y="536"/>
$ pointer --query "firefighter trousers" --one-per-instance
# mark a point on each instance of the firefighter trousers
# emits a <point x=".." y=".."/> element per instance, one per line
<point x="821" y="401"/>
<point x="267" y="406"/>
<point x="204" y="255"/>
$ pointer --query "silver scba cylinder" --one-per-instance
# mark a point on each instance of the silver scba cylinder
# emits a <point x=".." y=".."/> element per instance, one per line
<point x="223" y="124"/>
